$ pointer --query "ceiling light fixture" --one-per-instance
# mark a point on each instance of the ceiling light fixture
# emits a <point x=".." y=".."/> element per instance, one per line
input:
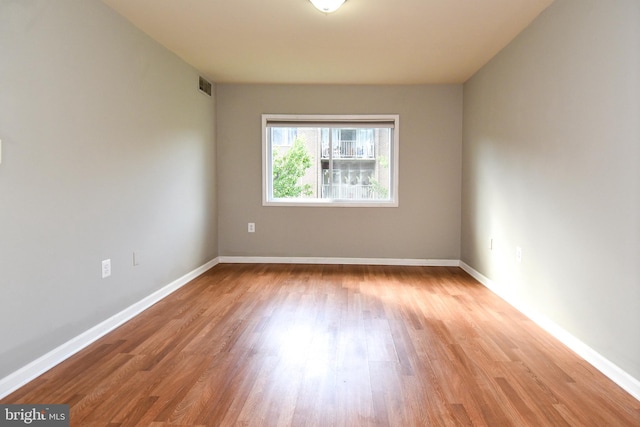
<point x="327" y="6"/>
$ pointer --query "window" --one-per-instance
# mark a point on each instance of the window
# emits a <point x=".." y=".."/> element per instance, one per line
<point x="330" y="160"/>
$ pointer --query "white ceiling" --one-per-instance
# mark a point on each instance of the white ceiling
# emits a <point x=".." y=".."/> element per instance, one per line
<point x="364" y="42"/>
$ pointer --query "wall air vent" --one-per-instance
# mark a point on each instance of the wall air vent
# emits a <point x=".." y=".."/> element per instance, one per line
<point x="205" y="86"/>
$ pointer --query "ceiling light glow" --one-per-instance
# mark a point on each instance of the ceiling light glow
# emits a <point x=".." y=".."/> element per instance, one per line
<point x="327" y="6"/>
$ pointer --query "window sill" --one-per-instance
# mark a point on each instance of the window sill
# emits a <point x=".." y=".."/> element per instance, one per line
<point x="330" y="203"/>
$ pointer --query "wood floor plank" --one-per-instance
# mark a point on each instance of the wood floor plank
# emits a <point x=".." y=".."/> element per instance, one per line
<point x="331" y="345"/>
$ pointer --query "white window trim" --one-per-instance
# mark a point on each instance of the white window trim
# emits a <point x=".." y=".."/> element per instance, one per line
<point x="347" y="119"/>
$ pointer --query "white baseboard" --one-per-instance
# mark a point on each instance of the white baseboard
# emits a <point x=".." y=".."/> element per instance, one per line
<point x="630" y="384"/>
<point x="334" y="260"/>
<point x="39" y="366"/>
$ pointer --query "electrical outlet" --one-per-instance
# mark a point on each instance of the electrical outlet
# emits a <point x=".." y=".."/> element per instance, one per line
<point x="490" y="244"/>
<point x="519" y="254"/>
<point x="136" y="258"/>
<point x="106" y="268"/>
<point x="251" y="227"/>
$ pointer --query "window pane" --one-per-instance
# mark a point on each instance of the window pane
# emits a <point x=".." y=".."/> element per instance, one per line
<point x="380" y="180"/>
<point x="360" y="165"/>
<point x="294" y="167"/>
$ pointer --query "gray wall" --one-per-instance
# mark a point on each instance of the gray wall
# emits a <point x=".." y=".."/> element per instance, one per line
<point x="550" y="163"/>
<point x="425" y="225"/>
<point x="108" y="148"/>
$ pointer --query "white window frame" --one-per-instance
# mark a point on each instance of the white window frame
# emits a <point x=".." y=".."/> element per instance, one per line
<point x="324" y="120"/>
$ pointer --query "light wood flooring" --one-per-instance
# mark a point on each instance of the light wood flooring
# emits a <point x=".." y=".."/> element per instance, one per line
<point x="312" y="345"/>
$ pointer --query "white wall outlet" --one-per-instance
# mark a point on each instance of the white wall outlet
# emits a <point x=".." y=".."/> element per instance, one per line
<point x="491" y="244"/>
<point x="251" y="228"/>
<point x="519" y="254"/>
<point x="106" y="268"/>
<point x="136" y="258"/>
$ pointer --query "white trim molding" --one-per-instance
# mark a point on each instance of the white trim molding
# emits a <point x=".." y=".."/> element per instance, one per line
<point x="345" y="261"/>
<point x="39" y="366"/>
<point x="630" y="384"/>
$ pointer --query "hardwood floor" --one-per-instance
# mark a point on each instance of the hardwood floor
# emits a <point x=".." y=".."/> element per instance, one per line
<point x="304" y="345"/>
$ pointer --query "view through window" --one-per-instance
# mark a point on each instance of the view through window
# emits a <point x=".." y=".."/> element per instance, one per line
<point x="335" y="160"/>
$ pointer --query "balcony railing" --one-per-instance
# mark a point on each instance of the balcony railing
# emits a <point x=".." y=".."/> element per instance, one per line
<point x="349" y="192"/>
<point x="346" y="149"/>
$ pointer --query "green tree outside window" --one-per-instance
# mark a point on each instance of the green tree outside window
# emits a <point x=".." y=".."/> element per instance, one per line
<point x="288" y="168"/>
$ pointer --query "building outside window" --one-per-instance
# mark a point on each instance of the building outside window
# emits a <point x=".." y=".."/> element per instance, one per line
<point x="283" y="136"/>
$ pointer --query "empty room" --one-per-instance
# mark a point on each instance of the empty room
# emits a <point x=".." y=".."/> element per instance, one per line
<point x="320" y="213"/>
